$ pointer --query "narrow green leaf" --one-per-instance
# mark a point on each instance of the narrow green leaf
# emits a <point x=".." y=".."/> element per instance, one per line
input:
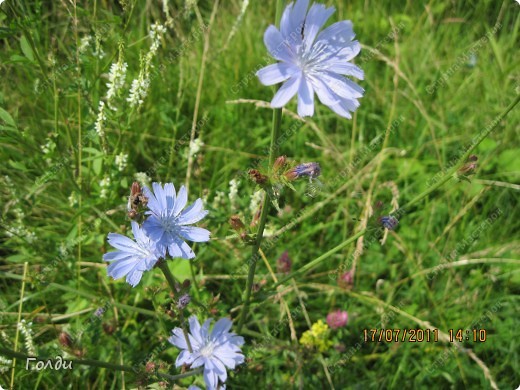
<point x="7" y="118"/>
<point x="26" y="48"/>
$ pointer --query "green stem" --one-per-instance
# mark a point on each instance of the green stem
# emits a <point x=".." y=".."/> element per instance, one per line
<point x="163" y="265"/>
<point x="96" y="363"/>
<point x="277" y="120"/>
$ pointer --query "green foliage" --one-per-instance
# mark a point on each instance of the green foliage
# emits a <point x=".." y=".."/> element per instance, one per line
<point x="64" y="186"/>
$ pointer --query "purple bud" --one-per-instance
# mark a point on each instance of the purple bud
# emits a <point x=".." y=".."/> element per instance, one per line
<point x="183" y="301"/>
<point x="284" y="263"/>
<point x="389" y="222"/>
<point x="311" y="170"/>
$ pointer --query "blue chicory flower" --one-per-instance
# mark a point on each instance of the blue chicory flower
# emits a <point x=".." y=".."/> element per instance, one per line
<point x="215" y="351"/>
<point x="313" y="61"/>
<point x="167" y="224"/>
<point x="131" y="258"/>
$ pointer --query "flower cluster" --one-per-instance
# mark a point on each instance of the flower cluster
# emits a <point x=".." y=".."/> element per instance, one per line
<point x="116" y="80"/>
<point x="140" y="85"/>
<point x="213" y="350"/>
<point x="139" y="90"/>
<point x="337" y="319"/>
<point x="162" y="233"/>
<point x="101" y="118"/>
<point x="317" y="337"/>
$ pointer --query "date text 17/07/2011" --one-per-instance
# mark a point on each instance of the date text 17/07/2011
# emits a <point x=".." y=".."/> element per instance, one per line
<point x="423" y="335"/>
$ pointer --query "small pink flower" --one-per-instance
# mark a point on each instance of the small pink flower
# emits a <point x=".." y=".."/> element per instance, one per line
<point x="346" y="280"/>
<point x="337" y="319"/>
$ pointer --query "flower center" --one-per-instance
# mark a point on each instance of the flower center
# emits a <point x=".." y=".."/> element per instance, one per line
<point x="207" y="350"/>
<point x="168" y="223"/>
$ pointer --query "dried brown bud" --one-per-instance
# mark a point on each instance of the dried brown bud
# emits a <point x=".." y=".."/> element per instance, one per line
<point x="346" y="280"/>
<point x="256" y="217"/>
<point x="215" y="299"/>
<point x="65" y="340"/>
<point x="150" y="367"/>
<point x="284" y="263"/>
<point x="257" y="177"/>
<point x="279" y="163"/>
<point x="236" y="223"/>
<point x="109" y="329"/>
<point x="186" y="284"/>
<point x="136" y="198"/>
<point x="135" y="189"/>
<point x="79" y="352"/>
<point x="469" y="167"/>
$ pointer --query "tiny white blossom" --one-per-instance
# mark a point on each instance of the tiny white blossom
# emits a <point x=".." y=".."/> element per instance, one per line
<point x="218" y="199"/>
<point x="73" y="199"/>
<point x="98" y="52"/>
<point x="256" y="199"/>
<point x="84" y="43"/>
<point x="25" y="329"/>
<point x="233" y="191"/>
<point x="101" y="118"/>
<point x="143" y="179"/>
<point x="48" y="147"/>
<point x="116" y="81"/>
<point x="5" y="364"/>
<point x="138" y="91"/>
<point x="156" y="32"/>
<point x="195" y="147"/>
<point x="140" y="85"/>
<point x="121" y="161"/>
<point x="104" y="184"/>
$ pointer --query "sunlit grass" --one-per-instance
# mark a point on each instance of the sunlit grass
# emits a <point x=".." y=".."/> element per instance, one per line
<point x="407" y="50"/>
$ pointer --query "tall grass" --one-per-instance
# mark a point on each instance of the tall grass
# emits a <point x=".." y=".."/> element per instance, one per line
<point x="436" y="76"/>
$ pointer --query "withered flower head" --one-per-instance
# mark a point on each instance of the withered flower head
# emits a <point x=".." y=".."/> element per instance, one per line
<point x="284" y="263"/>
<point x="279" y="163"/>
<point x="469" y="167"/>
<point x="257" y="177"/>
<point x="136" y="199"/>
<point x="65" y="339"/>
<point x="236" y="223"/>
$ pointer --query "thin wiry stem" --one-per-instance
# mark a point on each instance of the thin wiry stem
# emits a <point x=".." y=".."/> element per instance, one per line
<point x="163" y="265"/>
<point x="277" y="119"/>
<point x="19" y="320"/>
